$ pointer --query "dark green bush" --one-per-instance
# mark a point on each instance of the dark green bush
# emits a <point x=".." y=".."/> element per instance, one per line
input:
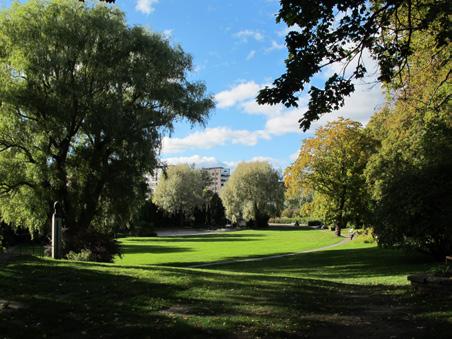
<point x="103" y="246"/>
<point x="315" y="223"/>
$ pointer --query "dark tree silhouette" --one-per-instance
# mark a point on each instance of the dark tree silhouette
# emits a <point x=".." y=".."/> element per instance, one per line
<point x="332" y="31"/>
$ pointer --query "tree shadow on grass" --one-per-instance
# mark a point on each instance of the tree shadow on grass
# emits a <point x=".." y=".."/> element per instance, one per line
<point x="198" y="238"/>
<point x="339" y="264"/>
<point x="136" y="249"/>
<point x="71" y="300"/>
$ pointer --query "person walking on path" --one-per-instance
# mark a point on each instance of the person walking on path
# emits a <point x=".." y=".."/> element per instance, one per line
<point x="352" y="233"/>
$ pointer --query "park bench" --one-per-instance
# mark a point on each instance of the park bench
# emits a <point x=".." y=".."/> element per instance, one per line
<point x="429" y="283"/>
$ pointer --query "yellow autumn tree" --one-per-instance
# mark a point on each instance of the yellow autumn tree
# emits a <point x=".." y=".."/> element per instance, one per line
<point x="330" y="168"/>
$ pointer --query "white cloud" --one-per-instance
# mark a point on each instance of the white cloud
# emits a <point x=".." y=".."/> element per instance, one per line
<point x="146" y="6"/>
<point x="198" y="160"/>
<point x="212" y="137"/>
<point x="274" y="162"/>
<point x="287" y="30"/>
<point x="239" y="93"/>
<point x="275" y="46"/>
<point x="246" y="34"/>
<point x="251" y="55"/>
<point x="233" y="164"/>
<point x="279" y="120"/>
<point x="359" y="107"/>
<point x="252" y="107"/>
<point x="284" y="123"/>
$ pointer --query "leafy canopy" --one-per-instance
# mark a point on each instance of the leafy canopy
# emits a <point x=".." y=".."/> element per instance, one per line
<point x="181" y="190"/>
<point x="332" y="31"/>
<point x="410" y="176"/>
<point x="330" y="166"/>
<point x="253" y="193"/>
<point x="84" y="99"/>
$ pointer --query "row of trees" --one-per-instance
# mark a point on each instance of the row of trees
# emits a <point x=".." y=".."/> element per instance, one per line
<point x="253" y="194"/>
<point x="183" y="194"/>
<point x="396" y="173"/>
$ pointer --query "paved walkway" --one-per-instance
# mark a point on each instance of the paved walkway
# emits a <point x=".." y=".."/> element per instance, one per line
<point x="227" y="262"/>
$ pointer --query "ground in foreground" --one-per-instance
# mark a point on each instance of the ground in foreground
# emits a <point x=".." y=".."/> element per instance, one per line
<point x="44" y="298"/>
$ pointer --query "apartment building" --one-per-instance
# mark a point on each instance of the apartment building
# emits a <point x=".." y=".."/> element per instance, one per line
<point x="218" y="176"/>
<point x="153" y="179"/>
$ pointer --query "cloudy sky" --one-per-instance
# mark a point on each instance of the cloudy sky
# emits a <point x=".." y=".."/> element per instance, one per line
<point x="237" y="48"/>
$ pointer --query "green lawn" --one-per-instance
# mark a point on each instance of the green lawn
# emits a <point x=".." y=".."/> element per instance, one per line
<point x="355" y="262"/>
<point x="354" y="291"/>
<point x="191" y="250"/>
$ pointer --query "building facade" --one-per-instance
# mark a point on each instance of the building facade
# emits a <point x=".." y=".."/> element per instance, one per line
<point x="218" y="177"/>
<point x="153" y="179"/>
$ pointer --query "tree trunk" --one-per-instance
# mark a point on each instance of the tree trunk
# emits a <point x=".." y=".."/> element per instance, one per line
<point x="337" y="230"/>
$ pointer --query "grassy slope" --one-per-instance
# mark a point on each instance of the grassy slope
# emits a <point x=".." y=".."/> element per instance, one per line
<point x="288" y="298"/>
<point x="186" y="250"/>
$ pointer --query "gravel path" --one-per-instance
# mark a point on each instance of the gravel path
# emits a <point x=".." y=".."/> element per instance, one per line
<point x="227" y="262"/>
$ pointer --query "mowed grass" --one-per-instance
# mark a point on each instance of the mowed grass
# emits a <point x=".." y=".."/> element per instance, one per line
<point x="351" y="291"/>
<point x="191" y="250"/>
<point x="355" y="262"/>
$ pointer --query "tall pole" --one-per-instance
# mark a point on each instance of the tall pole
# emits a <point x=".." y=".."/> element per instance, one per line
<point x="57" y="223"/>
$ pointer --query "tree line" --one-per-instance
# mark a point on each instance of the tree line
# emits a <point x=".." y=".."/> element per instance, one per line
<point x="252" y="195"/>
<point x="395" y="174"/>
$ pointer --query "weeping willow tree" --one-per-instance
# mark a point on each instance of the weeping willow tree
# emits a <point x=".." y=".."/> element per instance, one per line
<point x="85" y="99"/>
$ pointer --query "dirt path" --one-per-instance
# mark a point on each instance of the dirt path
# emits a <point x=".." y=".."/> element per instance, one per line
<point x="227" y="262"/>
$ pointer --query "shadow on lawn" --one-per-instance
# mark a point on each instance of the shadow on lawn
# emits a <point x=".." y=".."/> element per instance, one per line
<point x="135" y="249"/>
<point x="199" y="238"/>
<point x="93" y="300"/>
<point x="338" y="264"/>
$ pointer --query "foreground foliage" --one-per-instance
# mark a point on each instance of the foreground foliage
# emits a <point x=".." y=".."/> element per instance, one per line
<point x="403" y="182"/>
<point x="344" y="32"/>
<point x="410" y="175"/>
<point x="84" y="101"/>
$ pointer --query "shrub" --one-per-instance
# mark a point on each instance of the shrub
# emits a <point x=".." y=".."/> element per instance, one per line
<point x="103" y="246"/>
<point x="143" y="229"/>
<point x="315" y="223"/>
<point x="286" y="220"/>
<point x="366" y="234"/>
<point x="84" y="255"/>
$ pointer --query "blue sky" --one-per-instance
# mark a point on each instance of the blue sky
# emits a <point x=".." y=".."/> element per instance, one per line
<point x="237" y="48"/>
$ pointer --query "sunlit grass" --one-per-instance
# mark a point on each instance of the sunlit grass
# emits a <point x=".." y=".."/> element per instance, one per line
<point x="355" y="262"/>
<point x="189" y="250"/>
<point x="355" y="289"/>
